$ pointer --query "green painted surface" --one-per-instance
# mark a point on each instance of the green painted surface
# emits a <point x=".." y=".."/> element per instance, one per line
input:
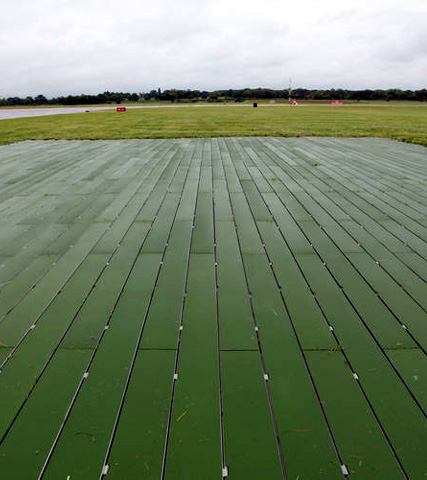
<point x="33" y="305"/>
<point x="25" y="363"/>
<point x="309" y="322"/>
<point x="236" y="325"/>
<point x="320" y="243"/>
<point x="139" y="442"/>
<point x="365" y="450"/>
<point x="26" y="448"/>
<point x="375" y="372"/>
<point x="203" y="239"/>
<point x="98" y="401"/>
<point x="195" y="443"/>
<point x="250" y="447"/>
<point x="161" y="330"/>
<point x="411" y="364"/>
<point x="381" y="322"/>
<point x="302" y="430"/>
<point x="14" y="289"/>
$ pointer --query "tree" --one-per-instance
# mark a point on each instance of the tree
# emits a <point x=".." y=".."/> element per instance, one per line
<point x="40" y="100"/>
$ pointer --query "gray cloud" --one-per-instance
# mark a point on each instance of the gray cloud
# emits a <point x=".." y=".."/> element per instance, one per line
<point x="87" y="46"/>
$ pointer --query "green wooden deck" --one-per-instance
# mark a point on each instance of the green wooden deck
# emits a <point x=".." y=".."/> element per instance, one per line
<point x="241" y="308"/>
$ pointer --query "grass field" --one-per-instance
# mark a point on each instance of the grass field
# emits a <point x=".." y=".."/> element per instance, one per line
<point x="407" y="124"/>
<point x="227" y="308"/>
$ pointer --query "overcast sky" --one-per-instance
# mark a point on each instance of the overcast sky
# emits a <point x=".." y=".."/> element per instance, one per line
<point x="58" y="47"/>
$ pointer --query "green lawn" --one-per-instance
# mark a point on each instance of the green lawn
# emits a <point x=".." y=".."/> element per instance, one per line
<point x="408" y="124"/>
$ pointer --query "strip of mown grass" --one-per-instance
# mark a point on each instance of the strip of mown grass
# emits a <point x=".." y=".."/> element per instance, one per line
<point x="408" y="124"/>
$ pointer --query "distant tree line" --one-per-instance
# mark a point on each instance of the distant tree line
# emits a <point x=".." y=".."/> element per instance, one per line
<point x="298" y="93"/>
<point x="106" y="97"/>
<point x="231" y="95"/>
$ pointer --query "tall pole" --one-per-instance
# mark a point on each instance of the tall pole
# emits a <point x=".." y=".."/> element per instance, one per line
<point x="290" y="91"/>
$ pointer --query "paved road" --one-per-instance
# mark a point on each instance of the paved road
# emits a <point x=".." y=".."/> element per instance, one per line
<point x="38" y="112"/>
<point x="8" y="113"/>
